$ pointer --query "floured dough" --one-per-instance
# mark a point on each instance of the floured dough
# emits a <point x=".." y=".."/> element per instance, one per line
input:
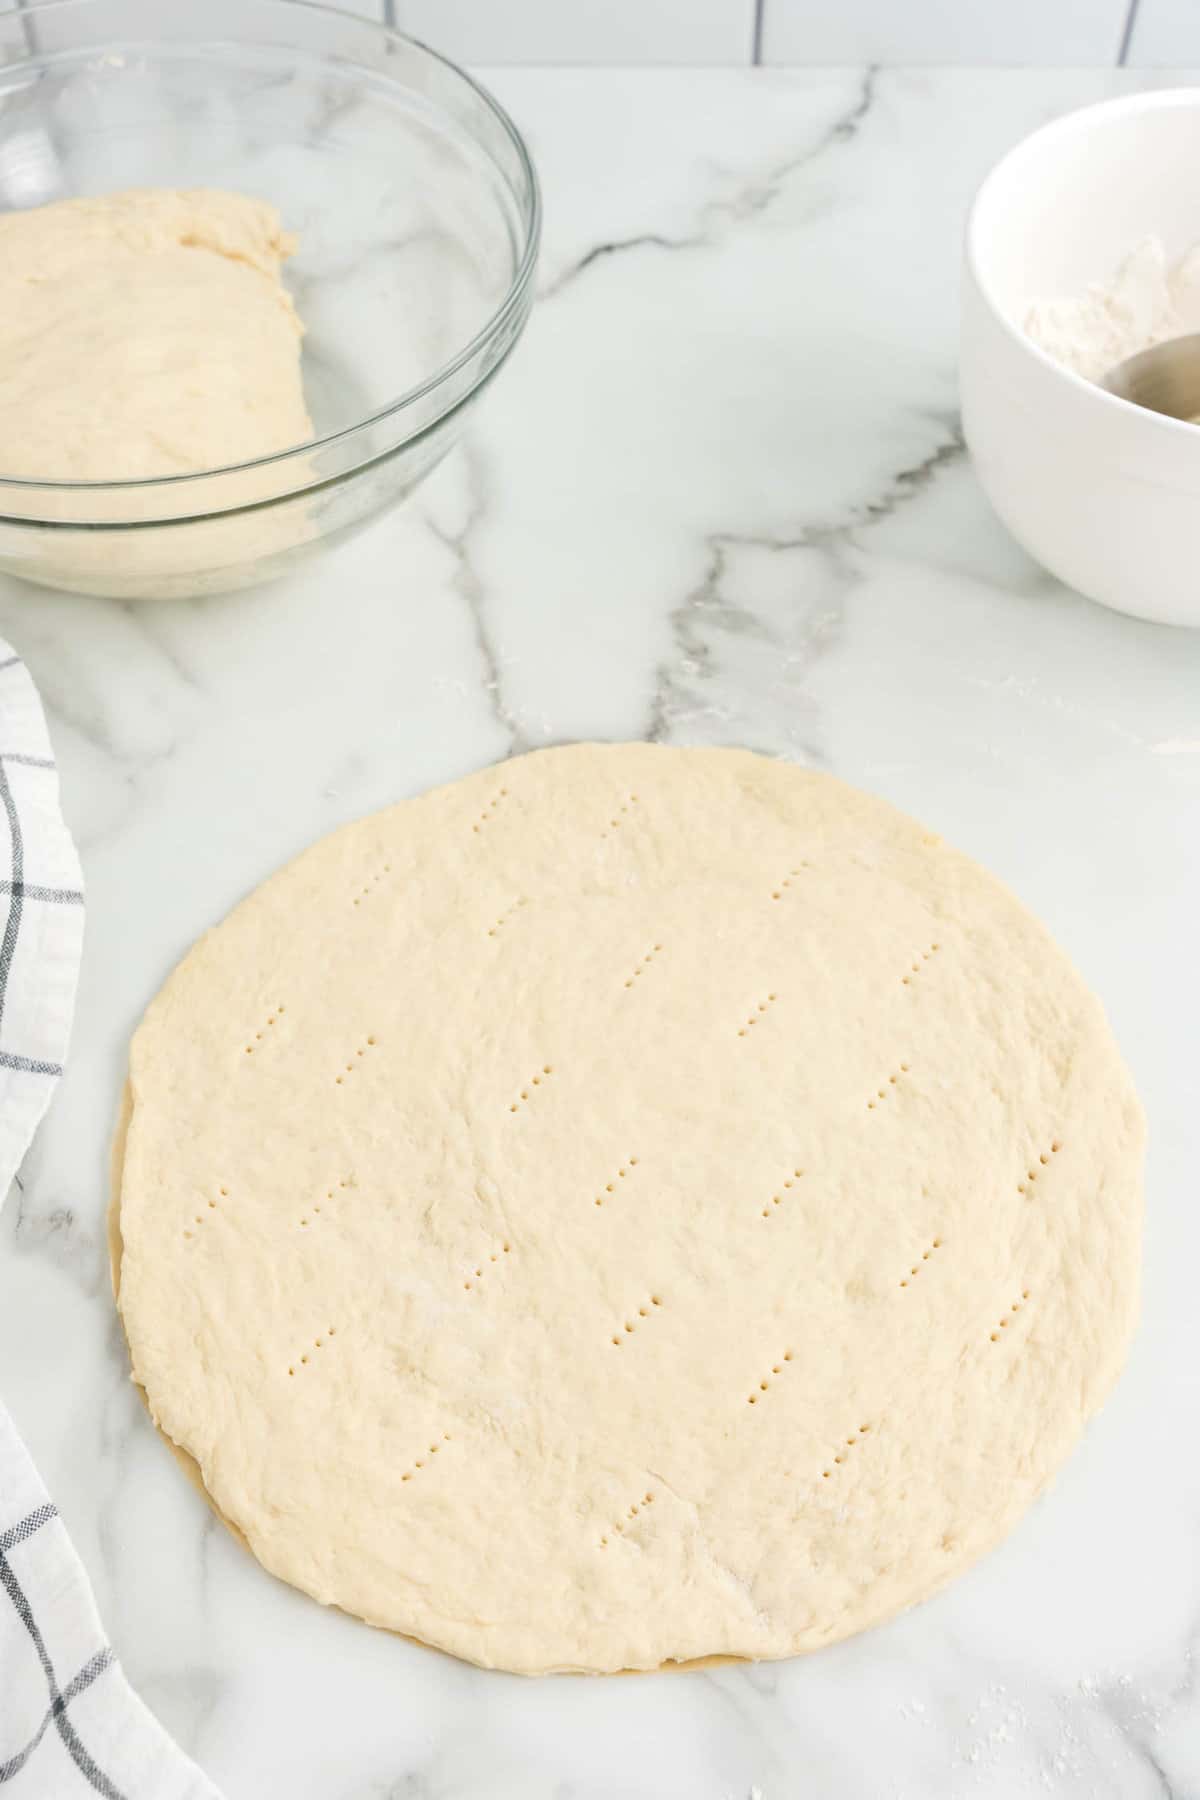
<point x="630" y="1205"/>
<point x="143" y="334"/>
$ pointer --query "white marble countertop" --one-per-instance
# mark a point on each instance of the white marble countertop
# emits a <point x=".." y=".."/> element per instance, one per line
<point x="719" y="496"/>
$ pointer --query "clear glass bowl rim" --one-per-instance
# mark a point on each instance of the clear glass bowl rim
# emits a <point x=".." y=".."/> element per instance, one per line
<point x="492" y="327"/>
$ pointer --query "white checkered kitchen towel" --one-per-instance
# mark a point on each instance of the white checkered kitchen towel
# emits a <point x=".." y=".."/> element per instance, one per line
<point x="70" y="1725"/>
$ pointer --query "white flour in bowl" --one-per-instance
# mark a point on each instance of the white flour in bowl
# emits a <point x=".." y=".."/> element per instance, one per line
<point x="1145" y="302"/>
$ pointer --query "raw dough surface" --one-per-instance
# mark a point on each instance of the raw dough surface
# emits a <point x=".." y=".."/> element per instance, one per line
<point x="630" y="1205"/>
<point x="146" y="333"/>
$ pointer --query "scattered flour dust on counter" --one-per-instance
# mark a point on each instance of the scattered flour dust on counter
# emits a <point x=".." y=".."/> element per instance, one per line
<point x="1092" y="1737"/>
<point x="146" y="333"/>
<point x="1147" y="300"/>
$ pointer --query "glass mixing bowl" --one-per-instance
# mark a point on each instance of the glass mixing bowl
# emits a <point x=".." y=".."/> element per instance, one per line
<point x="418" y="218"/>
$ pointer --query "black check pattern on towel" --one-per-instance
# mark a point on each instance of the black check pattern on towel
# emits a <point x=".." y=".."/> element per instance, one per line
<point x="58" y="1700"/>
<point x="20" y="892"/>
<point x="71" y="1727"/>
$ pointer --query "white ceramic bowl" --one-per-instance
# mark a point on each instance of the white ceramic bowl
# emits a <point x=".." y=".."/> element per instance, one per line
<point x="1106" y="495"/>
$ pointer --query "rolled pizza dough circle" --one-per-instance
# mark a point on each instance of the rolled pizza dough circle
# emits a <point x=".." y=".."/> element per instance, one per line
<point x="631" y="1205"/>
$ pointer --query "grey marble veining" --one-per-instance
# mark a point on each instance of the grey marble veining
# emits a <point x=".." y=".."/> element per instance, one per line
<point x="719" y="497"/>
